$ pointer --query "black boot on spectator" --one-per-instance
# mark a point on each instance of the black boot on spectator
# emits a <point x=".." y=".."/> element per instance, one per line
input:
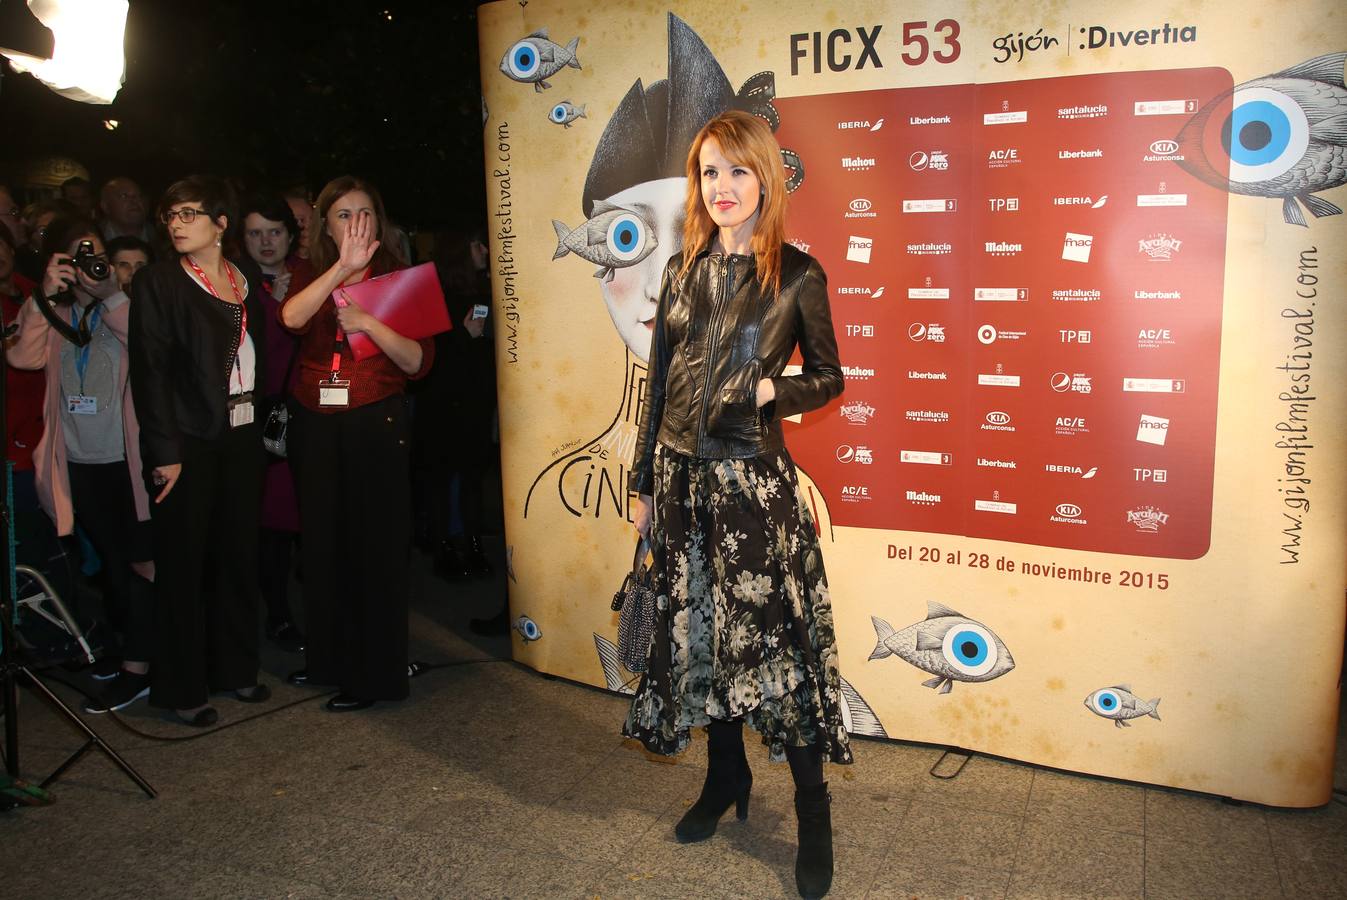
<point x="477" y="562"/>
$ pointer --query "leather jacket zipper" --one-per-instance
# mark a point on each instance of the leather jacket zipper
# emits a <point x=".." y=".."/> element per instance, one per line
<point x="714" y="338"/>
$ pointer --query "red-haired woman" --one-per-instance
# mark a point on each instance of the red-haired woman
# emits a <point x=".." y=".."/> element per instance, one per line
<point x="352" y="461"/>
<point x="744" y="631"/>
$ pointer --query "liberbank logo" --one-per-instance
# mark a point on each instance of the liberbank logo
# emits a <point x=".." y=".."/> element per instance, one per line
<point x="928" y="120"/>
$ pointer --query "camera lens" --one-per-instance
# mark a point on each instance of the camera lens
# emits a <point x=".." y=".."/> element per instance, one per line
<point x="98" y="269"/>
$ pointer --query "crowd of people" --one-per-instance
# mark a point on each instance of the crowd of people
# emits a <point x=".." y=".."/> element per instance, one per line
<point x="149" y="345"/>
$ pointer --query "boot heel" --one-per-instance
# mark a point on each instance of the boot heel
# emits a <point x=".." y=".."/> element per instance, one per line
<point x="741" y="805"/>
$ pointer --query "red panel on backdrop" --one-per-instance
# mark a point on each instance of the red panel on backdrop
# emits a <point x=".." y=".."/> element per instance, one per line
<point x="1027" y="294"/>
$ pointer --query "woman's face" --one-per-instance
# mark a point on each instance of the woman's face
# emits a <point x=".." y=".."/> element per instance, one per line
<point x="730" y="190"/>
<point x="632" y="293"/>
<point x="345" y="209"/>
<point x="197" y="235"/>
<point x="267" y="241"/>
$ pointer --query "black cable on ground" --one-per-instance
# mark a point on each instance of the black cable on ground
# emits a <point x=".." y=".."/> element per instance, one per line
<point x="416" y="669"/>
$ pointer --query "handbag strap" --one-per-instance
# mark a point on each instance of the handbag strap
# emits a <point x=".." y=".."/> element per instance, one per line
<point x="638" y="560"/>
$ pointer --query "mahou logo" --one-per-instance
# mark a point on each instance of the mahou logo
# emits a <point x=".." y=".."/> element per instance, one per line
<point x="1159" y="247"/>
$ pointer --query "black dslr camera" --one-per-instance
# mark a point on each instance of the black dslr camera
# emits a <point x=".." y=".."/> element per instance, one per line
<point x="91" y="263"/>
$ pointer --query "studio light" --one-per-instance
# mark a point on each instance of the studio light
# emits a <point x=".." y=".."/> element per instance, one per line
<point x="87" y="62"/>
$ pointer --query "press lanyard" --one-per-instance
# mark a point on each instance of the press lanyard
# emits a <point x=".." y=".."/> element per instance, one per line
<point x="340" y="337"/>
<point x="82" y="360"/>
<point x="238" y="295"/>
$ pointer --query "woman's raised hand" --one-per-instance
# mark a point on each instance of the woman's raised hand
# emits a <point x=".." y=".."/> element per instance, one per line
<point x="358" y="243"/>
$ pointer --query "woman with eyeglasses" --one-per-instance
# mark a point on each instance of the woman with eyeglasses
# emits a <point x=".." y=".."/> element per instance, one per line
<point x="352" y="457"/>
<point x="197" y="348"/>
<point x="87" y="462"/>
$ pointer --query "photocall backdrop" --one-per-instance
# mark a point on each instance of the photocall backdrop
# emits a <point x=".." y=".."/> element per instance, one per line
<point x="1082" y="499"/>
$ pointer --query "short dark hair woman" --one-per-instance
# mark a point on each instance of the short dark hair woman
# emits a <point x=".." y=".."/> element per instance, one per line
<point x="744" y="631"/>
<point x="271" y="239"/>
<point x="352" y="458"/>
<point x="197" y="348"/>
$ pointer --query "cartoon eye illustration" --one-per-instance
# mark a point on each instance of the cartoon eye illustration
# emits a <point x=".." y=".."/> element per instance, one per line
<point x="522" y="60"/>
<point x="1278" y="136"/>
<point x="628" y="238"/>
<point x="1105" y="701"/>
<point x="613" y="238"/>
<point x="970" y="649"/>
<point x="558" y="114"/>
<point x="1265" y="135"/>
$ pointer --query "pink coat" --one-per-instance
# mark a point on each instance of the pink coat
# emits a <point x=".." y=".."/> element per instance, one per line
<point x="38" y="346"/>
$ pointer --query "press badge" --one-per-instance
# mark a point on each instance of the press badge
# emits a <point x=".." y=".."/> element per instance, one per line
<point x="334" y="393"/>
<point x="80" y="405"/>
<point x="240" y="410"/>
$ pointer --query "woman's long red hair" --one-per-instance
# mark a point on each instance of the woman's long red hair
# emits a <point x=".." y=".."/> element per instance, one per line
<point x="745" y="140"/>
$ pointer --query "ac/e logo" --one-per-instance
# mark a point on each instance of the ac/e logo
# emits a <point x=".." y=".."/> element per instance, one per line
<point x="839" y="42"/>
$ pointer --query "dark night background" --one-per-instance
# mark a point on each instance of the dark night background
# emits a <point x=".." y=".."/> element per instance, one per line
<point x="278" y="93"/>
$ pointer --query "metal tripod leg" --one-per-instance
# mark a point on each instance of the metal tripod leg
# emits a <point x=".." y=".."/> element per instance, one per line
<point x="93" y="740"/>
<point x="49" y="594"/>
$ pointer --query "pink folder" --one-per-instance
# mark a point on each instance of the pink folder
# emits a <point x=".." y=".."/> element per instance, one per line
<point x="409" y="301"/>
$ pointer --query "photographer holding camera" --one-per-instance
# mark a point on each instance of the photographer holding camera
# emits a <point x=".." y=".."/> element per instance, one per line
<point x="88" y="458"/>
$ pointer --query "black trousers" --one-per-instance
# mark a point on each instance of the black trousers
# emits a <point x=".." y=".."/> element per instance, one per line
<point x="352" y="477"/>
<point x="274" y="564"/>
<point x="105" y="508"/>
<point x="205" y="552"/>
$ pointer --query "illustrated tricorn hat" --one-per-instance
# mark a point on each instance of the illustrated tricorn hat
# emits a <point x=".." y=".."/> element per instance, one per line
<point x="648" y="136"/>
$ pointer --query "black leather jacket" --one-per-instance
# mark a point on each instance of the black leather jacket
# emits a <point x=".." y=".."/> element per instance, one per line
<point x="716" y="334"/>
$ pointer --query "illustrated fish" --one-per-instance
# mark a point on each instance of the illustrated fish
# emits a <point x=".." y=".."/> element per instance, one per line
<point x="1284" y="136"/>
<point x="948" y="644"/>
<point x="565" y="112"/>
<point x="534" y="58"/>
<point x="1120" y="704"/>
<point x="612" y="238"/>
<point x="528" y="629"/>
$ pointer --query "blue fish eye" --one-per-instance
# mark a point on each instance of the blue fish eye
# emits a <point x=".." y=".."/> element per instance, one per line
<point x="627" y="237"/>
<point x="522" y="60"/>
<point x="1264" y="136"/>
<point x="531" y="630"/>
<point x="970" y="649"/>
<point x="558" y="113"/>
<point x="1255" y="133"/>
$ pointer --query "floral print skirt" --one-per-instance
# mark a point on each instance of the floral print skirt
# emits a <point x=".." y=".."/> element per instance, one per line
<point x="743" y="627"/>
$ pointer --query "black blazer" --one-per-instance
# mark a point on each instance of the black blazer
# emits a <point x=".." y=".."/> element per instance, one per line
<point x="181" y="342"/>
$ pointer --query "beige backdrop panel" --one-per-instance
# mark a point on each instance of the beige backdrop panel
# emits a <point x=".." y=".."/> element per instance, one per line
<point x="1244" y="648"/>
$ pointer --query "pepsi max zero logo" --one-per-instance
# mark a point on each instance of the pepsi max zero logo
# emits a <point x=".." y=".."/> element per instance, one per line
<point x="921" y="160"/>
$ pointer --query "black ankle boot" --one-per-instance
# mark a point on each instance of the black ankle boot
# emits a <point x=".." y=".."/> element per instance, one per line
<point x="814" y="860"/>
<point x="728" y="782"/>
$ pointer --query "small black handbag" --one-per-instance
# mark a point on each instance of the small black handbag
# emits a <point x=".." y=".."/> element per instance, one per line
<point x="636" y="600"/>
<point x="275" y="426"/>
